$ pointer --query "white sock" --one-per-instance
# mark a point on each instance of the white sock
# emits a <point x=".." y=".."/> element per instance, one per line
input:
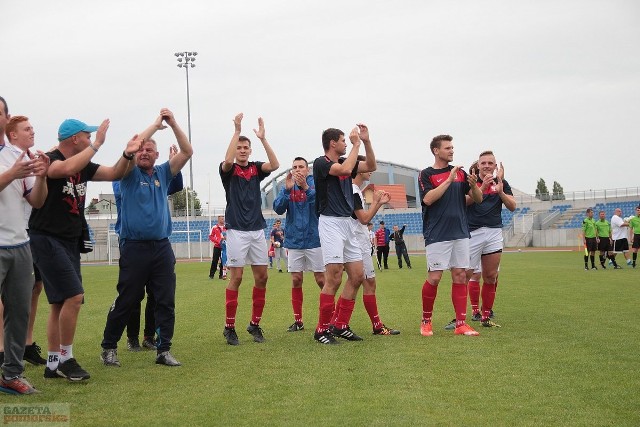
<point x="66" y="352"/>
<point x="52" y="360"/>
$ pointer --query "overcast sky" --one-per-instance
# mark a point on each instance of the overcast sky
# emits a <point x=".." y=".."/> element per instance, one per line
<point x="553" y="87"/>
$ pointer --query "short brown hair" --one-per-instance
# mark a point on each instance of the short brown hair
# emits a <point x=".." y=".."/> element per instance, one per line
<point x="486" y="153"/>
<point x="13" y="124"/>
<point x="437" y="141"/>
<point x="244" y="139"/>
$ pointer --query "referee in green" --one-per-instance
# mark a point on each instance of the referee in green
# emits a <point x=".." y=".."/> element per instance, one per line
<point x="590" y="240"/>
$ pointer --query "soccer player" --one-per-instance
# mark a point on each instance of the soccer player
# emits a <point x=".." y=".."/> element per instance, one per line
<point x="277" y="242"/>
<point x="603" y="237"/>
<point x="217" y="236"/>
<point x="361" y="217"/>
<point x="446" y="231"/>
<point x="332" y="175"/>
<point x="298" y="199"/>
<point x="245" y="225"/>
<point x="146" y="256"/>
<point x="485" y="227"/>
<point x="22" y="186"/>
<point x="589" y="239"/>
<point x="634" y="225"/>
<point x="619" y="235"/>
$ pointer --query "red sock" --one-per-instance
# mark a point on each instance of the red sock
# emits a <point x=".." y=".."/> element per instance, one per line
<point x="345" y="311"/>
<point x="326" y="311"/>
<point x="258" y="304"/>
<point x="429" y="293"/>
<point x="231" y="308"/>
<point x="371" y="306"/>
<point x="488" y="297"/>
<point x="296" y="303"/>
<point x="474" y="296"/>
<point x="336" y="312"/>
<point x="459" y="300"/>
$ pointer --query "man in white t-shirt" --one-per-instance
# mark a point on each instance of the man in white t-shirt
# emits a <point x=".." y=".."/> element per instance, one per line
<point x="619" y="232"/>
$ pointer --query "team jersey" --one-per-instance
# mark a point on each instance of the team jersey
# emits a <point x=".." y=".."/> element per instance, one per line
<point x="334" y="194"/>
<point x="589" y="227"/>
<point x="489" y="212"/>
<point x="603" y="228"/>
<point x="446" y="218"/>
<point x="634" y="223"/>
<point x="362" y="232"/>
<point x="301" y="221"/>
<point x="244" y="201"/>
<point x="63" y="210"/>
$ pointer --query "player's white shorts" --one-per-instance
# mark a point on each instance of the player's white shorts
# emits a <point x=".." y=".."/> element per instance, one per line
<point x="447" y="255"/>
<point x="305" y="260"/>
<point x="246" y="247"/>
<point x="483" y="241"/>
<point x="338" y="240"/>
<point x="367" y="261"/>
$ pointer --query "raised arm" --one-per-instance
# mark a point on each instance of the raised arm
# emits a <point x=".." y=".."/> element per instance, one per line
<point x="123" y="165"/>
<point x="177" y="162"/>
<point x="379" y="199"/>
<point x="370" y="164"/>
<point x="230" y="156"/>
<point x="272" y="161"/>
<point x="38" y="193"/>
<point x="346" y="168"/>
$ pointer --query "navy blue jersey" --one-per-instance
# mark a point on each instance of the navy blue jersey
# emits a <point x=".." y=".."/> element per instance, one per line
<point x="489" y="212"/>
<point x="445" y="219"/>
<point x="334" y="194"/>
<point x="244" y="201"/>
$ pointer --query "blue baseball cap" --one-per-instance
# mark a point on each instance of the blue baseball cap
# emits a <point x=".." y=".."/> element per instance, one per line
<point x="70" y="127"/>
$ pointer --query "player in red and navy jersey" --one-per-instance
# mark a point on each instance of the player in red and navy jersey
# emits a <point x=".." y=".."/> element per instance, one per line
<point x="485" y="226"/>
<point x="333" y="175"/>
<point x="446" y="232"/>
<point x="245" y="225"/>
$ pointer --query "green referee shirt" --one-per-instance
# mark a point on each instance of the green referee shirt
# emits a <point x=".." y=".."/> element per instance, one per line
<point x="589" y="227"/>
<point x="634" y="223"/>
<point x="603" y="228"/>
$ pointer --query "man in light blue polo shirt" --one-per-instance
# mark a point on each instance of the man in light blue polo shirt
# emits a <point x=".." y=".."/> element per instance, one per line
<point x="145" y="251"/>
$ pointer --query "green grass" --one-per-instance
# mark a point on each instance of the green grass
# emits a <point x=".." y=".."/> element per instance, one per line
<point x="567" y="354"/>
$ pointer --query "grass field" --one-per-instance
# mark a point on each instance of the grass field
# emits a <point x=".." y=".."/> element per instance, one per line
<point x="567" y="354"/>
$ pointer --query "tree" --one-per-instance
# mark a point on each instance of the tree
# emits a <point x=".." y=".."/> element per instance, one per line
<point x="542" y="192"/>
<point x="180" y="202"/>
<point x="558" y="191"/>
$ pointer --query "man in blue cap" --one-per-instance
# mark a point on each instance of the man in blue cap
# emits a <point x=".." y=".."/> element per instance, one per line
<point x="56" y="230"/>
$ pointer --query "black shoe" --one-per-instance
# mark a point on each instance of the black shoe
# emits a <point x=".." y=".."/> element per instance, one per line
<point x="167" y="359"/>
<point x="325" y="337"/>
<point x="231" y="336"/>
<point x="399" y="266"/>
<point x="491" y="315"/>
<point x="296" y="327"/>
<point x="409" y="267"/>
<point x="451" y="325"/>
<point x="133" y="344"/>
<point x="32" y="354"/>
<point x="586" y="268"/>
<point x="603" y="266"/>
<point x="48" y="373"/>
<point x="256" y="331"/>
<point x="211" y="277"/>
<point x="477" y="317"/>
<point x="386" y="331"/>
<point x="109" y="357"/>
<point x="72" y="371"/>
<point x="148" y="343"/>
<point x="617" y="267"/>
<point x="593" y="267"/>
<point x="279" y="271"/>
<point x="345" y="333"/>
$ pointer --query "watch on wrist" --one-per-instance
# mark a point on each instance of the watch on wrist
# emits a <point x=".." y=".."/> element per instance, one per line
<point x="128" y="157"/>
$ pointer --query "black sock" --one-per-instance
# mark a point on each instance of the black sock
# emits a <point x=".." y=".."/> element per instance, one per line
<point x="613" y="260"/>
<point x="593" y="260"/>
<point x="586" y="261"/>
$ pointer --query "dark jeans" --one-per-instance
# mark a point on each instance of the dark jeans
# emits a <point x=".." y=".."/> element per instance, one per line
<point x="383" y="255"/>
<point x="401" y="251"/>
<point x="214" y="262"/>
<point x="151" y="262"/>
<point x="133" y="325"/>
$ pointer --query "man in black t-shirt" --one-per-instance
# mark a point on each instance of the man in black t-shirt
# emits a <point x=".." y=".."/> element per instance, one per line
<point x="245" y="225"/>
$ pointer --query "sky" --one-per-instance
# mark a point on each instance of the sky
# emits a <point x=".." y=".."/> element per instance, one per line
<point x="552" y="87"/>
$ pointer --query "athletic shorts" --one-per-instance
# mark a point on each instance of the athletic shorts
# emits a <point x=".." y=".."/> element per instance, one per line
<point x="591" y="244"/>
<point x="447" y="255"/>
<point x="59" y="263"/>
<point x="636" y="241"/>
<point x="484" y="241"/>
<point x="367" y="262"/>
<point x="246" y="247"/>
<point x="301" y="260"/>
<point x="338" y="240"/>
<point x="620" y="245"/>
<point x="37" y="274"/>
<point x="604" y="245"/>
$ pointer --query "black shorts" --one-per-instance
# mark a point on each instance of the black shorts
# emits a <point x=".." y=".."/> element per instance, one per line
<point x="636" y="241"/>
<point x="620" y="245"/>
<point x="36" y="273"/>
<point x="591" y="243"/>
<point x="604" y="245"/>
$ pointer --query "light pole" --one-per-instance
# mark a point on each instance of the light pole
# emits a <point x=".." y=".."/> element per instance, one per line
<point x="186" y="60"/>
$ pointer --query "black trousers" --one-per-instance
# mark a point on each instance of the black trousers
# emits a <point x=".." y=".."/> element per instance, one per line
<point x="151" y="262"/>
<point x="215" y="261"/>
<point x="401" y="252"/>
<point x="133" y="325"/>
<point x="383" y="255"/>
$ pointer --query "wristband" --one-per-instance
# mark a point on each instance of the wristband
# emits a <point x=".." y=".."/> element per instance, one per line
<point x="129" y="157"/>
<point x="93" y="147"/>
